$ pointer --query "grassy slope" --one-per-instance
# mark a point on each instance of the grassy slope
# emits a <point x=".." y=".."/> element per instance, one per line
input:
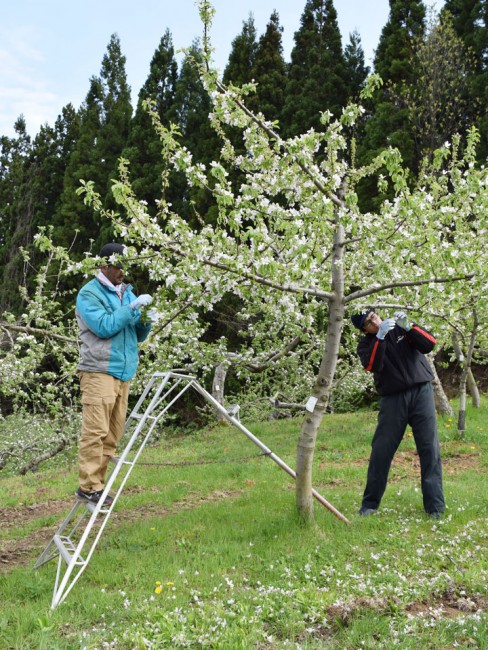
<point x="211" y="555"/>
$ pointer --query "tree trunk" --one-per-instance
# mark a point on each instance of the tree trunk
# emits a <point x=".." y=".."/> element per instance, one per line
<point x="466" y="365"/>
<point x="461" y="427"/>
<point x="218" y="386"/>
<point x="470" y="380"/>
<point x="441" y="402"/>
<point x="317" y="403"/>
<point x="473" y="389"/>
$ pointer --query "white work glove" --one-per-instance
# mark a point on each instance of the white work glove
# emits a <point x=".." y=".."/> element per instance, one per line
<point x="153" y="315"/>
<point x="387" y="325"/>
<point x="402" y="320"/>
<point x="142" y="301"/>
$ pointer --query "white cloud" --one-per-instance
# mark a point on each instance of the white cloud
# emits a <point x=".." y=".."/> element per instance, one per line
<point x="23" y="87"/>
<point x="34" y="101"/>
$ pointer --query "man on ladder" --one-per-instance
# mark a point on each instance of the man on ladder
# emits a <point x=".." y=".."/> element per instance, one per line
<point x="109" y="320"/>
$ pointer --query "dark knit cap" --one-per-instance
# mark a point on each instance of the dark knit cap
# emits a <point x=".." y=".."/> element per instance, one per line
<point x="358" y="319"/>
<point x="112" y="249"/>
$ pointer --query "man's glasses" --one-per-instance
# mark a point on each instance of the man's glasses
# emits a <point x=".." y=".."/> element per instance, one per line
<point x="369" y="319"/>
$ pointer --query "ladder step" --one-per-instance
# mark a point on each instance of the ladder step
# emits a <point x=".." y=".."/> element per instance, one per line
<point x="91" y="507"/>
<point x="66" y="548"/>
<point x="117" y="460"/>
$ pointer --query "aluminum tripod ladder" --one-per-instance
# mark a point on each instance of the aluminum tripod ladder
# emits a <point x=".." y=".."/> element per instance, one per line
<point x="71" y="538"/>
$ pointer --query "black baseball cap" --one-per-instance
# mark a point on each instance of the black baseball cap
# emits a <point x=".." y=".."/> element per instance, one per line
<point x="112" y="249"/>
<point x="358" y="319"/>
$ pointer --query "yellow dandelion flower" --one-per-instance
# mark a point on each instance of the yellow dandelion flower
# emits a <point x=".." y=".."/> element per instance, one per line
<point x="158" y="590"/>
<point x="158" y="582"/>
<point x="169" y="584"/>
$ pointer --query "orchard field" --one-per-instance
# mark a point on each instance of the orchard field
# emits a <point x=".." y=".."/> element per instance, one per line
<point x="204" y="549"/>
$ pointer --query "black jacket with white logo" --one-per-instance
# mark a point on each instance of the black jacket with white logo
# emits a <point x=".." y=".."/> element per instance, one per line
<point x="397" y="361"/>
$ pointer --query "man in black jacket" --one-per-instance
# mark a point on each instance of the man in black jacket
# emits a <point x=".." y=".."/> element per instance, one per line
<point x="393" y="350"/>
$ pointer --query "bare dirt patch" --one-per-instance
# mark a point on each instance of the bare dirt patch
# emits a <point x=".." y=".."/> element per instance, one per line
<point x="14" y="552"/>
<point x="447" y="605"/>
<point x="16" y="517"/>
<point x="408" y="462"/>
<point x="341" y="614"/>
<point x="450" y="377"/>
<point x="453" y="463"/>
<point x="20" y="552"/>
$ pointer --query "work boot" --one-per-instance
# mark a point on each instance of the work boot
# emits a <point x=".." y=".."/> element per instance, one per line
<point x="93" y="497"/>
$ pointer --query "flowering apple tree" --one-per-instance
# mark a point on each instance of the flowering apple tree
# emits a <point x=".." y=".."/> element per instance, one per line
<point x="291" y="238"/>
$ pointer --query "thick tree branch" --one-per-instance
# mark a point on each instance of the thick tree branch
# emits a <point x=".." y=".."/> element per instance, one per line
<point x="36" y="331"/>
<point x="286" y="405"/>
<point x="412" y="283"/>
<point x="272" y="357"/>
<point x="161" y="326"/>
<point x="259" y="279"/>
<point x="50" y="453"/>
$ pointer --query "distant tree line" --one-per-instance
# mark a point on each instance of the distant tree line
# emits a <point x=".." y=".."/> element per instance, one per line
<point x="434" y="72"/>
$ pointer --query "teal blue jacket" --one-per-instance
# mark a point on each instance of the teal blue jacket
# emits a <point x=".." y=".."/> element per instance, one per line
<point x="109" y="330"/>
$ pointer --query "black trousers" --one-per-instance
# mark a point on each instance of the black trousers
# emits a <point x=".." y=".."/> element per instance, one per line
<point x="415" y="407"/>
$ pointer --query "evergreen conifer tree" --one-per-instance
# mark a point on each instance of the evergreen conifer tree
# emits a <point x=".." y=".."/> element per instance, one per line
<point x="193" y="107"/>
<point x="242" y="56"/>
<point x="13" y="155"/>
<point x="270" y="72"/>
<point x="388" y="124"/>
<point x="74" y="223"/>
<point x="439" y="103"/>
<point x="393" y="57"/>
<point x="143" y="148"/>
<point x="104" y="128"/>
<point x="117" y="112"/>
<point x="36" y="177"/>
<point x="356" y="68"/>
<point x="406" y="23"/>
<point x="469" y="19"/>
<point x="317" y="76"/>
<point x="239" y="71"/>
<point x="50" y="153"/>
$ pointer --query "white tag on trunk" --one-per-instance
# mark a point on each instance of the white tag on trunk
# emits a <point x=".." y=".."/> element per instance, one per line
<point x="310" y="405"/>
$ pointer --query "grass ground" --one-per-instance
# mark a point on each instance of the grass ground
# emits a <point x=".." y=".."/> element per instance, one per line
<point x="204" y="549"/>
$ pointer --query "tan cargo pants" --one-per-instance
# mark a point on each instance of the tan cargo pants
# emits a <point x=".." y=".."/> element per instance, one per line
<point x="104" y="399"/>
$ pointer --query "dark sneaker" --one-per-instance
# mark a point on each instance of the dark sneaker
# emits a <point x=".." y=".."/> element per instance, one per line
<point x="93" y="497"/>
<point x="365" y="512"/>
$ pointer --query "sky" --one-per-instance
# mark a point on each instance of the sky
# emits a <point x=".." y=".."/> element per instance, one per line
<point x="49" y="49"/>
